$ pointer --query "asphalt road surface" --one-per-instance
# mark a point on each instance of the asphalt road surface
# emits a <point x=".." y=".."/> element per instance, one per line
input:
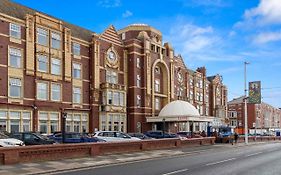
<point x="261" y="159"/>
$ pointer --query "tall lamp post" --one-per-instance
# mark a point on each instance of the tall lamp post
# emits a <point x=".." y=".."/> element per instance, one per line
<point x="245" y="100"/>
<point x="64" y="116"/>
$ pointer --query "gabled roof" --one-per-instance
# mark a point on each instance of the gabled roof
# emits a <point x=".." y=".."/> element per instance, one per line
<point x="180" y="61"/>
<point x="237" y="100"/>
<point x="110" y="34"/>
<point x="16" y="10"/>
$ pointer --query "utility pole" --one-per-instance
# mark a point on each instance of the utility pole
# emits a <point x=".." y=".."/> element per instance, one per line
<point x="245" y="100"/>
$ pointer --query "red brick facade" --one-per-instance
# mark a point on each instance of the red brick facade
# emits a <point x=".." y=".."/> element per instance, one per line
<point x="109" y="81"/>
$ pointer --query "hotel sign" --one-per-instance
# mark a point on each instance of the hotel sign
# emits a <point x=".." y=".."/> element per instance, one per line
<point x="255" y="92"/>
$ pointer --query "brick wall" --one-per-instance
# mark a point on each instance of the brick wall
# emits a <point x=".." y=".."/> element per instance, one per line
<point x="61" y="151"/>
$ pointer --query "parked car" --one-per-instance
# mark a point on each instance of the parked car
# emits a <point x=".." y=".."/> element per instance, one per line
<point x="160" y="135"/>
<point x="72" y="137"/>
<point x="6" y="141"/>
<point x="184" y="134"/>
<point x="140" y="136"/>
<point x="114" y="136"/>
<point x="32" y="138"/>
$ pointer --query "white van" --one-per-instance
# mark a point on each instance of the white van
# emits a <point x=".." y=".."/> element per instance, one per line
<point x="114" y="136"/>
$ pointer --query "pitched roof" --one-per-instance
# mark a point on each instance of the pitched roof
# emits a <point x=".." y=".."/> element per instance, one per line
<point x="13" y="9"/>
<point x="211" y="78"/>
<point x="237" y="100"/>
<point x="180" y="61"/>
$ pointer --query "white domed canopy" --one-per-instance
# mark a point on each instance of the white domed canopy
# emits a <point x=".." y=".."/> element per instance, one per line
<point x="179" y="108"/>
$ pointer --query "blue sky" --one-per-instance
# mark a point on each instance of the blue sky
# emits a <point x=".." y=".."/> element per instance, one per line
<point x="218" y="34"/>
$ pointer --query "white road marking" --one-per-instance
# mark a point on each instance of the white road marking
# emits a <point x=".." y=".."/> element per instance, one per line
<point x="253" y="154"/>
<point x="214" y="163"/>
<point x="175" y="172"/>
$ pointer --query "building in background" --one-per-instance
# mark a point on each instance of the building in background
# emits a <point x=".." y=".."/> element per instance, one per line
<point x="116" y="80"/>
<point x="262" y="118"/>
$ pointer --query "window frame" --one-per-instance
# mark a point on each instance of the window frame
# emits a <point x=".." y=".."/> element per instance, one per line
<point x="56" y="39"/>
<point x="47" y="90"/>
<point x="157" y="86"/>
<point x="60" y="91"/>
<point x="12" y="27"/>
<point x="17" y="53"/>
<point x="75" y="64"/>
<point x="73" y="94"/>
<point x="39" y="56"/>
<point x="76" y="49"/>
<point x="20" y="87"/>
<point x="42" y="35"/>
<point x="55" y="65"/>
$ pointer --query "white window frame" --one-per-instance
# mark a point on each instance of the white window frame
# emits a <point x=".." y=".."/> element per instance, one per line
<point x="53" y="91"/>
<point x="77" y="92"/>
<point x="45" y="92"/>
<point x="55" y="39"/>
<point x="43" y="59"/>
<point x="111" y="77"/>
<point x="15" y="31"/>
<point x="55" y="63"/>
<point x="121" y="98"/>
<point x="15" y="53"/>
<point x="76" y="49"/>
<point x="17" y="82"/>
<point x="76" y="67"/>
<point x="42" y="33"/>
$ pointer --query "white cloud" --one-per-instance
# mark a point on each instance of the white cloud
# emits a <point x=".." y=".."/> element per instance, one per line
<point x="200" y="43"/>
<point x="267" y="12"/>
<point x="191" y="37"/>
<point x="263" y="38"/>
<point x="127" y="14"/>
<point x="109" y="3"/>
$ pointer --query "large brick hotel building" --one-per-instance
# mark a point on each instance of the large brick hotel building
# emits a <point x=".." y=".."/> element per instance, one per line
<point x="116" y="80"/>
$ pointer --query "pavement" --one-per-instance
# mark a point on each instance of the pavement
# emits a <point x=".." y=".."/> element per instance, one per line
<point x="49" y="167"/>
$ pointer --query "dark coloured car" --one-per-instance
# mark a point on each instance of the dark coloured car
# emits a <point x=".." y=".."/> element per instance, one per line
<point x="72" y="137"/>
<point x="32" y="138"/>
<point x="159" y="134"/>
<point x="140" y="136"/>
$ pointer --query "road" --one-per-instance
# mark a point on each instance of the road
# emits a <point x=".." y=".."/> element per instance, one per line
<point x="254" y="159"/>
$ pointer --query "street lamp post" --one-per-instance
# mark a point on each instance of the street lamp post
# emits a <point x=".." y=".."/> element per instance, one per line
<point x="163" y="127"/>
<point x="64" y="116"/>
<point x="245" y="100"/>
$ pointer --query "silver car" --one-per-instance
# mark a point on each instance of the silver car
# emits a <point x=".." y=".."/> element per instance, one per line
<point x="5" y="141"/>
<point x="114" y="136"/>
